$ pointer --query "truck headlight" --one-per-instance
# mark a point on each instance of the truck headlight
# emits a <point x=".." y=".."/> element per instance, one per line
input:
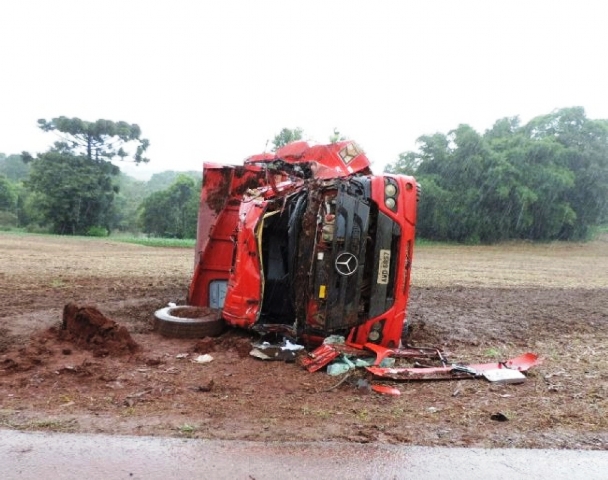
<point x="390" y="190"/>
<point x="373" y="336"/>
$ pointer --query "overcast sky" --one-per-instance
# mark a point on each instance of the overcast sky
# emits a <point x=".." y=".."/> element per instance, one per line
<point x="216" y="80"/>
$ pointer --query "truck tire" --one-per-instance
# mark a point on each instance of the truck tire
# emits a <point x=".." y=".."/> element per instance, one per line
<point x="188" y="322"/>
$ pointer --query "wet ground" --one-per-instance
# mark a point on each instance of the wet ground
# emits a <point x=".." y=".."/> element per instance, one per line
<point x="477" y="303"/>
<point x="43" y="455"/>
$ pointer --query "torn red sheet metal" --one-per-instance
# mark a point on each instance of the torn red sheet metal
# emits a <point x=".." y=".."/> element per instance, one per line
<point x="386" y="390"/>
<point x="323" y="355"/>
<point x="522" y="363"/>
<point x="320" y="357"/>
<point x="403" y="352"/>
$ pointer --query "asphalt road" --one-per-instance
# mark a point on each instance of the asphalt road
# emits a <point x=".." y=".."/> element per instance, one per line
<point x="73" y="456"/>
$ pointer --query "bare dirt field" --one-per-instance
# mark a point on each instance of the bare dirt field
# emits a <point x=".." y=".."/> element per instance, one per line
<point x="478" y="303"/>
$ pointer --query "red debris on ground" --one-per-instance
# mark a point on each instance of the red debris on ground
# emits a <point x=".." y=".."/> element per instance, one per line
<point x="86" y="327"/>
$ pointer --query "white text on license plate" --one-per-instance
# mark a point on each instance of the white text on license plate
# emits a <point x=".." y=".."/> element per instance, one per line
<point x="384" y="266"/>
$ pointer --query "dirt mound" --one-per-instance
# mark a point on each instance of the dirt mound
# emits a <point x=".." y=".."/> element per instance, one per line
<point x="88" y="328"/>
<point x="235" y="340"/>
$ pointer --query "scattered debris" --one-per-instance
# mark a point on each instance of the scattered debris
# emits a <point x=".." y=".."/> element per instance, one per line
<point x="341" y="357"/>
<point x="504" y="375"/>
<point x="342" y="380"/>
<point x="286" y="351"/>
<point x="340" y="366"/>
<point x="331" y="349"/>
<point x="386" y="390"/>
<point x="499" y="417"/>
<point x="320" y="357"/>
<point x="206" y="358"/>
<point x="518" y="364"/>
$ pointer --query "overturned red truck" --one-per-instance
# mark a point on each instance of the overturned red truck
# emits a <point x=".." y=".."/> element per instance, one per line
<point x="307" y="242"/>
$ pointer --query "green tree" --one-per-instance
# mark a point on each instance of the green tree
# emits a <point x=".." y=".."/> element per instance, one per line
<point x="583" y="151"/>
<point x="285" y="136"/>
<point x="163" y="180"/>
<point x="74" y="194"/>
<point x="173" y="212"/>
<point x="74" y="182"/>
<point x="13" y="167"/>
<point x="131" y="193"/>
<point x="100" y="140"/>
<point x="8" y="194"/>
<point x="8" y="202"/>
<point x="544" y="180"/>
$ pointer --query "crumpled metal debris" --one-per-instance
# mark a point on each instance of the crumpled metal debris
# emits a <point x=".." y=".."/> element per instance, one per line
<point x="510" y="371"/>
<point x="286" y="351"/>
<point x="345" y="362"/>
<point x="386" y="390"/>
<point x="340" y="357"/>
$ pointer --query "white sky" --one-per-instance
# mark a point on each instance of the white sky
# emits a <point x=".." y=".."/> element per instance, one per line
<point x="216" y="80"/>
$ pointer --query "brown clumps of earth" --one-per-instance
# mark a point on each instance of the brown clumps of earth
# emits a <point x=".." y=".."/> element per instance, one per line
<point x="88" y="328"/>
<point x="238" y="342"/>
<point x="85" y="328"/>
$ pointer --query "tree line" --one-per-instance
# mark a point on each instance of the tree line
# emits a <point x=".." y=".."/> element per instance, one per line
<point x="545" y="180"/>
<point x="75" y="189"/>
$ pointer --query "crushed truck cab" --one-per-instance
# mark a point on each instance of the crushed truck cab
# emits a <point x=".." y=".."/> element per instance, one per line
<point x="306" y="241"/>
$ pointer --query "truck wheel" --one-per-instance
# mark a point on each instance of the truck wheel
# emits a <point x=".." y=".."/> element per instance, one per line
<point x="188" y="322"/>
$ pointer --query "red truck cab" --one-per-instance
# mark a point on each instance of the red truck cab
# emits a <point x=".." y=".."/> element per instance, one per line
<point x="308" y="242"/>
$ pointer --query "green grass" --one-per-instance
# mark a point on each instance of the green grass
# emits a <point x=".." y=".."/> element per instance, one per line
<point x="423" y="242"/>
<point x="146" y="241"/>
<point x="157" y="242"/>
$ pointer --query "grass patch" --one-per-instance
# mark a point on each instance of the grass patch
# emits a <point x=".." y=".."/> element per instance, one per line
<point x="186" y="430"/>
<point x="57" y="283"/>
<point x="493" y="353"/>
<point x="53" y="425"/>
<point x="146" y="241"/>
<point x="49" y="424"/>
<point x="158" y="242"/>
<point x="423" y="242"/>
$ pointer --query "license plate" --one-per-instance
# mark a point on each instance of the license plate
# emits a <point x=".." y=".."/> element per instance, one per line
<point x="384" y="267"/>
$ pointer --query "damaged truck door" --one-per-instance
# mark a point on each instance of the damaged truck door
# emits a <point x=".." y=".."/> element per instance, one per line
<point x="308" y="242"/>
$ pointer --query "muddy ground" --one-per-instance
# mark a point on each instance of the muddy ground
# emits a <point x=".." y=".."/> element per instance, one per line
<point x="478" y="303"/>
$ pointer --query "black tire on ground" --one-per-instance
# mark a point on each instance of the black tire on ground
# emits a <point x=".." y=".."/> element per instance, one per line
<point x="188" y="322"/>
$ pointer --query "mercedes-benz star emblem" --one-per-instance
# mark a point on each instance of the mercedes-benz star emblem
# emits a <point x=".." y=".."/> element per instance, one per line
<point x="346" y="264"/>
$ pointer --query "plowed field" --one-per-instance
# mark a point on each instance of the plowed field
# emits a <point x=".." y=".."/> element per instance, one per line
<point x="477" y="303"/>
